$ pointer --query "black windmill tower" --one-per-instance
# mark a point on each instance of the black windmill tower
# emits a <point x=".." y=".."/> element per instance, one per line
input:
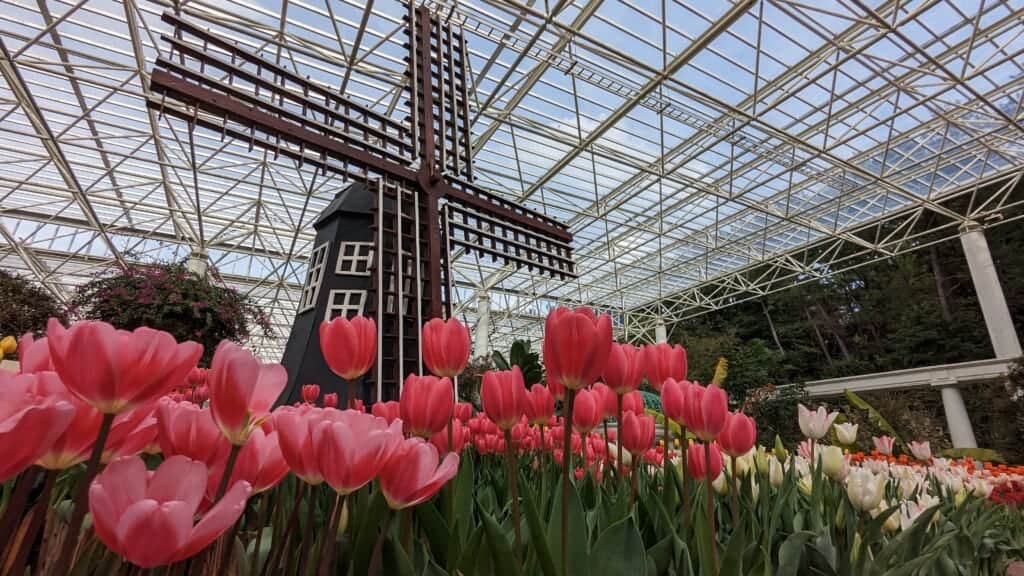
<point x="413" y="201"/>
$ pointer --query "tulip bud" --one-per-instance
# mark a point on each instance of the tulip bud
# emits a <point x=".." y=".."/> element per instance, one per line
<point x="775" y="473"/>
<point x="761" y="460"/>
<point x="921" y="450"/>
<point x="832" y="462"/>
<point x="883" y="444"/>
<point x="330" y="400"/>
<point x="846" y="433"/>
<point x="720" y="485"/>
<point x="755" y="489"/>
<point x="805" y="484"/>
<point x="310" y="393"/>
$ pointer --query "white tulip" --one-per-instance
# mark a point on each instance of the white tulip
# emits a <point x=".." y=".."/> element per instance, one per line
<point x="921" y="450"/>
<point x="833" y="463"/>
<point x="846" y="433"/>
<point x="865" y="489"/>
<point x="755" y="489"/>
<point x="720" y="485"/>
<point x="815" y="424"/>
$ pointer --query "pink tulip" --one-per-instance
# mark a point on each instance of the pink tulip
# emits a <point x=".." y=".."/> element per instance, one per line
<point x="74" y="444"/>
<point x="556" y="389"/>
<point x="463" y="411"/>
<point x="186" y="429"/>
<point x="412" y="475"/>
<point x="115" y="370"/>
<point x="504" y="396"/>
<point x="637" y="433"/>
<point x="738" y="435"/>
<point x="608" y="398"/>
<point x="460" y="436"/>
<point x="147" y="518"/>
<point x="196" y="377"/>
<point x="815" y="424"/>
<point x="130" y="433"/>
<point x="426" y="404"/>
<point x="587" y="412"/>
<point x="389" y="411"/>
<point x="706" y="409"/>
<point x="883" y="444"/>
<point x="349" y="346"/>
<point x="664" y="361"/>
<point x="920" y="450"/>
<point x="540" y="405"/>
<point x="445" y="347"/>
<point x="625" y="369"/>
<point x="576" y="346"/>
<point x="673" y="400"/>
<point x="633" y="402"/>
<point x="695" y="460"/>
<point x="294" y="426"/>
<point x="352" y="447"/>
<point x="30" y="422"/>
<point x="34" y="355"/>
<point x="260" y="463"/>
<point x="310" y="393"/>
<point x="242" y="390"/>
<point x="331" y="400"/>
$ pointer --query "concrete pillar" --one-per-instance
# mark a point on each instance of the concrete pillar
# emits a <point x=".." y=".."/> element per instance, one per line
<point x="960" y="430"/>
<point x="1001" y="332"/>
<point x="660" y="333"/>
<point x="481" y="344"/>
<point x="198" y="263"/>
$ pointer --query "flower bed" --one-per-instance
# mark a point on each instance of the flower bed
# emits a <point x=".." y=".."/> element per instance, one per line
<point x="118" y="454"/>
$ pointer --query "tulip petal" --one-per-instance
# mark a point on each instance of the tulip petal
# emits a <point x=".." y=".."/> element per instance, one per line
<point x="150" y="532"/>
<point x="217" y="520"/>
<point x="178" y="478"/>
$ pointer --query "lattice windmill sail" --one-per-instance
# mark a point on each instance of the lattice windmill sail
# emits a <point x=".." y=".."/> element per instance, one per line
<point x="418" y="169"/>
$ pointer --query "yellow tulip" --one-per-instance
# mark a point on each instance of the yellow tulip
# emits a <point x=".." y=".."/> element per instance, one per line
<point x="8" y="345"/>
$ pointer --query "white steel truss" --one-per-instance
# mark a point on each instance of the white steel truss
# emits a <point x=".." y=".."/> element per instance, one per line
<point x="703" y="153"/>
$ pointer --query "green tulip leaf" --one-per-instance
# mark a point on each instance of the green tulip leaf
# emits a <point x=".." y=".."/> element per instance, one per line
<point x="376" y="513"/>
<point x="619" y="550"/>
<point x="436" y="531"/>
<point x="791" y="553"/>
<point x="501" y="549"/>
<point x="395" y="561"/>
<point x="537" y="535"/>
<point x="579" y="539"/>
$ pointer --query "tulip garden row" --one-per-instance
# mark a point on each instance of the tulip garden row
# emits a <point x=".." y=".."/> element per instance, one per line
<point x="119" y="455"/>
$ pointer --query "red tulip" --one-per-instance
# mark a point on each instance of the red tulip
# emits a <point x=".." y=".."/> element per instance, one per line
<point x="664" y="361"/>
<point x="349" y="346"/>
<point x="352" y="447"/>
<point x="74" y="444"/>
<point x="130" y="433"/>
<point x="330" y="400"/>
<point x="504" y="396"/>
<point x="637" y="433"/>
<point x="587" y="411"/>
<point x="540" y="405"/>
<point x="426" y="404"/>
<point x="696" y="464"/>
<point x="389" y="411"/>
<point x="310" y="393"/>
<point x="673" y="400"/>
<point x="706" y="409"/>
<point x="116" y="370"/>
<point x="188" y="430"/>
<point x="625" y="369"/>
<point x="445" y="347"/>
<point x="260" y="463"/>
<point x="633" y="402"/>
<point x="242" y="390"/>
<point x="147" y="518"/>
<point x="357" y="405"/>
<point x="738" y="435"/>
<point x="463" y="411"/>
<point x="412" y="474"/>
<point x="460" y="436"/>
<point x="608" y="398"/>
<point x="294" y="426"/>
<point x="34" y="355"/>
<point x="196" y="377"/>
<point x="556" y="389"/>
<point x="576" y="346"/>
<point x="30" y="422"/>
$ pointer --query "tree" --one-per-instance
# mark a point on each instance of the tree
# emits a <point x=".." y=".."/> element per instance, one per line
<point x="25" y="306"/>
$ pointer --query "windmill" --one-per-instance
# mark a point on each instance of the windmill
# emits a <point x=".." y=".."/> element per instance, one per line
<point x="417" y="168"/>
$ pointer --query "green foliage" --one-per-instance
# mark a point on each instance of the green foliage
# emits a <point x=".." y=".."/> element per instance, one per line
<point x="876" y="418"/>
<point x="774" y="409"/>
<point x="168" y="297"/>
<point x="977" y="454"/>
<point x="521" y="355"/>
<point x="25" y="306"/>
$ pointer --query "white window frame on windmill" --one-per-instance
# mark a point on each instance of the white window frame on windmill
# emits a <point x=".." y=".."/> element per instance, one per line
<point x="355" y="259"/>
<point x="346" y="306"/>
<point x="314" y="278"/>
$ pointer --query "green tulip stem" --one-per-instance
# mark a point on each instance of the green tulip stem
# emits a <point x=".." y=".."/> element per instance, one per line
<point x="228" y="468"/>
<point x="570" y="395"/>
<point x="375" y="558"/>
<point x="686" y="477"/>
<point x="513" y="477"/>
<point x="81" y="495"/>
<point x="633" y="481"/>
<point x="328" y="545"/>
<point x="618" y="441"/>
<point x="710" y="497"/>
<point x="261" y="519"/>
<point x="281" y="537"/>
<point x="307" y="533"/>
<point x="735" y="495"/>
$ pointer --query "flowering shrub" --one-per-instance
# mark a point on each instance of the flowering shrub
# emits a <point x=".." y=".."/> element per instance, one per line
<point x="25" y="306"/>
<point x="195" y="471"/>
<point x="170" y="298"/>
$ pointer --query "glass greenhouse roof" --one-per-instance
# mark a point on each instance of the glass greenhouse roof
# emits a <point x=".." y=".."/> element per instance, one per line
<point x="702" y="153"/>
